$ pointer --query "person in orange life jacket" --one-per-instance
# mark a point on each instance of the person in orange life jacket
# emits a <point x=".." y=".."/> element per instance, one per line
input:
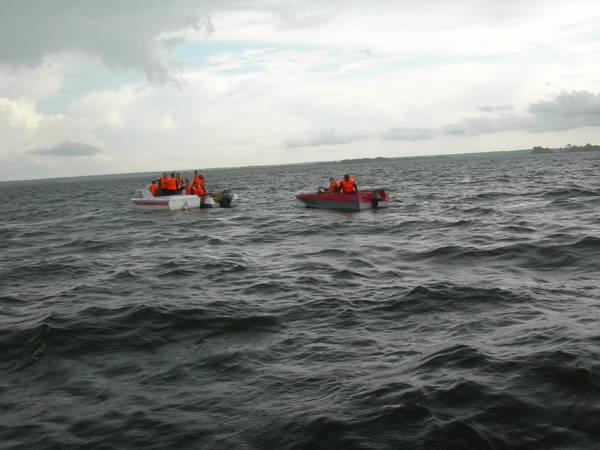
<point x="162" y="186"/>
<point x="334" y="186"/>
<point x="347" y="185"/>
<point x="198" y="178"/>
<point x="198" y="190"/>
<point x="179" y="182"/>
<point x="154" y="188"/>
<point x="170" y="185"/>
<point x="188" y="188"/>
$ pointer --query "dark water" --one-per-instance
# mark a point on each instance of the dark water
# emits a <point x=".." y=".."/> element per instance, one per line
<point x="464" y="315"/>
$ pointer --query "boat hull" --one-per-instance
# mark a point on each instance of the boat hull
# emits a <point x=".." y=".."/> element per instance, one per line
<point x="171" y="202"/>
<point x="145" y="200"/>
<point x="348" y="202"/>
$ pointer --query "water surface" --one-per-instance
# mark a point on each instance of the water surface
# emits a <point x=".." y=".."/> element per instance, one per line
<point x="463" y="315"/>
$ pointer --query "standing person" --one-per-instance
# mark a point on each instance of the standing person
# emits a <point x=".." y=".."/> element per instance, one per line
<point x="348" y="185"/>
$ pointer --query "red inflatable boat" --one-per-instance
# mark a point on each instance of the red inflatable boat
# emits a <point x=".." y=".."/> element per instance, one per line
<point x="351" y="202"/>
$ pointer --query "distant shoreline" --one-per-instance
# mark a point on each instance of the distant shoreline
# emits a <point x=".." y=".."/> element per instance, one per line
<point x="488" y="154"/>
<point x="568" y="149"/>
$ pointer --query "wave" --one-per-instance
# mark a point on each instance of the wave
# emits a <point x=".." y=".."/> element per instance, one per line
<point x="572" y="192"/>
<point x="446" y="297"/>
<point x="457" y="356"/>
<point x="127" y="328"/>
<point x="537" y="256"/>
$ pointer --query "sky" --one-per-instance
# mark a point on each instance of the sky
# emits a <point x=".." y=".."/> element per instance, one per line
<point x="95" y="87"/>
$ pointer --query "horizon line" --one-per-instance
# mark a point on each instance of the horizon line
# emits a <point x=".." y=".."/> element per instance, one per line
<point x="345" y="160"/>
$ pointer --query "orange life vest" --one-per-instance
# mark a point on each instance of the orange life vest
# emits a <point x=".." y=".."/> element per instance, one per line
<point x="170" y="184"/>
<point x="189" y="190"/>
<point x="199" y="180"/>
<point x="162" y="182"/>
<point x="347" y="186"/>
<point x="333" y="186"/>
<point x="153" y="189"/>
<point x="199" y="191"/>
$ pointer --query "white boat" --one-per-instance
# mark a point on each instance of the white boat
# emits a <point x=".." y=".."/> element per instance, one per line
<point x="144" y="199"/>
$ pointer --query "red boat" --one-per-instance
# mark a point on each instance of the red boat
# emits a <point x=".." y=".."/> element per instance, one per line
<point x="350" y="202"/>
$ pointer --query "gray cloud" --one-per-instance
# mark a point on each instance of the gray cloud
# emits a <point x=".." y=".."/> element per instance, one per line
<point x="495" y="108"/>
<point x="121" y="33"/>
<point x="484" y="125"/>
<point x="408" y="134"/>
<point x="566" y="111"/>
<point x="68" y="148"/>
<point x="333" y="137"/>
<point x="575" y="103"/>
<point x="290" y="17"/>
<point x="325" y="137"/>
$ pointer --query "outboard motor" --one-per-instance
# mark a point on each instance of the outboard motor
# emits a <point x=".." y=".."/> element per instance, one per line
<point x="207" y="202"/>
<point x="375" y="200"/>
<point x="226" y="199"/>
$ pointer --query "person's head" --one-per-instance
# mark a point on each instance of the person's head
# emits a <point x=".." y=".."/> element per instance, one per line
<point x="178" y="175"/>
<point x="155" y="182"/>
<point x="347" y="177"/>
<point x="173" y="174"/>
<point x="187" y="181"/>
<point x="195" y="172"/>
<point x="164" y="174"/>
<point x="331" y="179"/>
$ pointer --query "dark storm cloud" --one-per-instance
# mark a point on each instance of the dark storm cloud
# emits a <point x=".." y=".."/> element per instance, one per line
<point x="68" y="148"/>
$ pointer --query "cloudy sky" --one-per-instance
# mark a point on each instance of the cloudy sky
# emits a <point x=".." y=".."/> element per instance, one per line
<point x="92" y="87"/>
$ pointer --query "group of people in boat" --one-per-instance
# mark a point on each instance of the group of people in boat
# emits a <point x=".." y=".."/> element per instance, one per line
<point x="346" y="185"/>
<point x="174" y="184"/>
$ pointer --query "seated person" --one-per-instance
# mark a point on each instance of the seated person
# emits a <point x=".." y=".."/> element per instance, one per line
<point x="334" y="186"/>
<point x="154" y="188"/>
<point x="162" y="184"/>
<point x="179" y="182"/>
<point x="169" y="185"/>
<point x="198" y="190"/>
<point x="198" y="178"/>
<point x="347" y="185"/>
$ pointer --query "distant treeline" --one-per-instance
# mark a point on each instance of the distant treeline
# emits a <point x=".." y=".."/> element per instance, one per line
<point x="359" y="160"/>
<point x="568" y="149"/>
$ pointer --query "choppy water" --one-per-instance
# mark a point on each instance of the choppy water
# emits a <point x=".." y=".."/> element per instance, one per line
<point x="464" y="315"/>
